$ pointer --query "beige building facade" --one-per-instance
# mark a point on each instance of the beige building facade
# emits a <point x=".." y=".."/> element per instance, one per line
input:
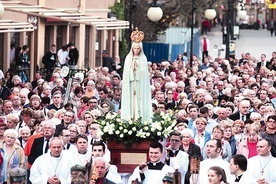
<point x="83" y="22"/>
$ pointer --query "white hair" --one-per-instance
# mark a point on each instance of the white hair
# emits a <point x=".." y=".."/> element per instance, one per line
<point x="11" y="132"/>
<point x="188" y="131"/>
<point x="25" y="128"/>
<point x="101" y="160"/>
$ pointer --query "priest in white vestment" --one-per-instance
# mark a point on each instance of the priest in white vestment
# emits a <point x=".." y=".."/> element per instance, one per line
<point x="52" y="167"/>
<point x="154" y="171"/>
<point x="82" y="156"/>
<point x="263" y="166"/>
<point x="213" y="149"/>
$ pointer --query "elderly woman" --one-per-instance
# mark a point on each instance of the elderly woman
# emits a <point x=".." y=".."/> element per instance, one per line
<point x="248" y="146"/>
<point x="74" y="131"/>
<point x="12" y="120"/>
<point x="190" y="148"/>
<point x="35" y="103"/>
<point x="237" y="129"/>
<point x="13" y="155"/>
<point x="90" y="89"/>
<point x="82" y="126"/>
<point x="16" y="80"/>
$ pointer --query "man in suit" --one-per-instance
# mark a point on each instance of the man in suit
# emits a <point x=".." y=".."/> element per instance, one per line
<point x="238" y="167"/>
<point x="41" y="144"/>
<point x="263" y="62"/>
<point x="243" y="112"/>
<point x="100" y="168"/>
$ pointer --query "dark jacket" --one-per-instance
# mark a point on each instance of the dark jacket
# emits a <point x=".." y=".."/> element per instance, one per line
<point x="49" y="60"/>
<point x="74" y="56"/>
<point x="4" y="93"/>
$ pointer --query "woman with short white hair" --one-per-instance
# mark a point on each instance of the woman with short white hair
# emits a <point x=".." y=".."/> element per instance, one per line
<point x="190" y="148"/>
<point x="13" y="154"/>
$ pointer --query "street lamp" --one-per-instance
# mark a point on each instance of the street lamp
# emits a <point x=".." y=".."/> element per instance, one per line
<point x="229" y="23"/>
<point x="155" y="13"/>
<point x="192" y="34"/>
<point x="210" y="14"/>
<point x="2" y="11"/>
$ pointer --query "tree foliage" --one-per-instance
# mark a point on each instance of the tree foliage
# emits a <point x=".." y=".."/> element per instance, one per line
<point x="171" y="10"/>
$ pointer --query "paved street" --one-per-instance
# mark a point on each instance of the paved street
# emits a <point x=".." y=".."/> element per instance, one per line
<point x="256" y="42"/>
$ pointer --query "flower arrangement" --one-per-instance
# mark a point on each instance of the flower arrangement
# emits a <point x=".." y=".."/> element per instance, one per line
<point x="128" y="132"/>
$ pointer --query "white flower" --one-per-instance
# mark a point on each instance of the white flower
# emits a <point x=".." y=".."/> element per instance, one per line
<point x="110" y="132"/>
<point x="105" y="129"/>
<point x="121" y="128"/>
<point x="108" y="116"/>
<point x="130" y="122"/>
<point x="159" y="133"/>
<point x="146" y="128"/>
<point x="117" y="132"/>
<point x="121" y="135"/>
<point x="125" y="130"/>
<point x="134" y="129"/>
<point x="147" y="134"/>
<point x="159" y="128"/>
<point x="129" y="132"/>
<point x="146" y="123"/>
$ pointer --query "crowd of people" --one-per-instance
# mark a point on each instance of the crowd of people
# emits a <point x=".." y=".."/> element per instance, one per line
<point x="225" y="111"/>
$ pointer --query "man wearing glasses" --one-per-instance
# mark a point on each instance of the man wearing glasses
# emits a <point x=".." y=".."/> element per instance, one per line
<point x="176" y="157"/>
<point x="269" y="132"/>
<point x="94" y="105"/>
<point x="57" y="101"/>
<point x="65" y="134"/>
<point x="69" y="118"/>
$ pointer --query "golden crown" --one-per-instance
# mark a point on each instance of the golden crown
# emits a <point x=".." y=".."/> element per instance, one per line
<point x="137" y="36"/>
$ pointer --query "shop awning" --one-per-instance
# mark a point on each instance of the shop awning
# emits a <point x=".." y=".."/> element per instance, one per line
<point x="8" y="26"/>
<point x="65" y="15"/>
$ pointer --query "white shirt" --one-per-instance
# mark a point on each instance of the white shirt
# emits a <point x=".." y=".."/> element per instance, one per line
<point x="46" y="166"/>
<point x="62" y="55"/>
<point x="258" y="163"/>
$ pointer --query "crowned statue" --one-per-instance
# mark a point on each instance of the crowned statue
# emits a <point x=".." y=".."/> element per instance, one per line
<point x="136" y="94"/>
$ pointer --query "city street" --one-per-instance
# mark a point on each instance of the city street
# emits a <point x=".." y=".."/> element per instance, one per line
<point x="256" y="42"/>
